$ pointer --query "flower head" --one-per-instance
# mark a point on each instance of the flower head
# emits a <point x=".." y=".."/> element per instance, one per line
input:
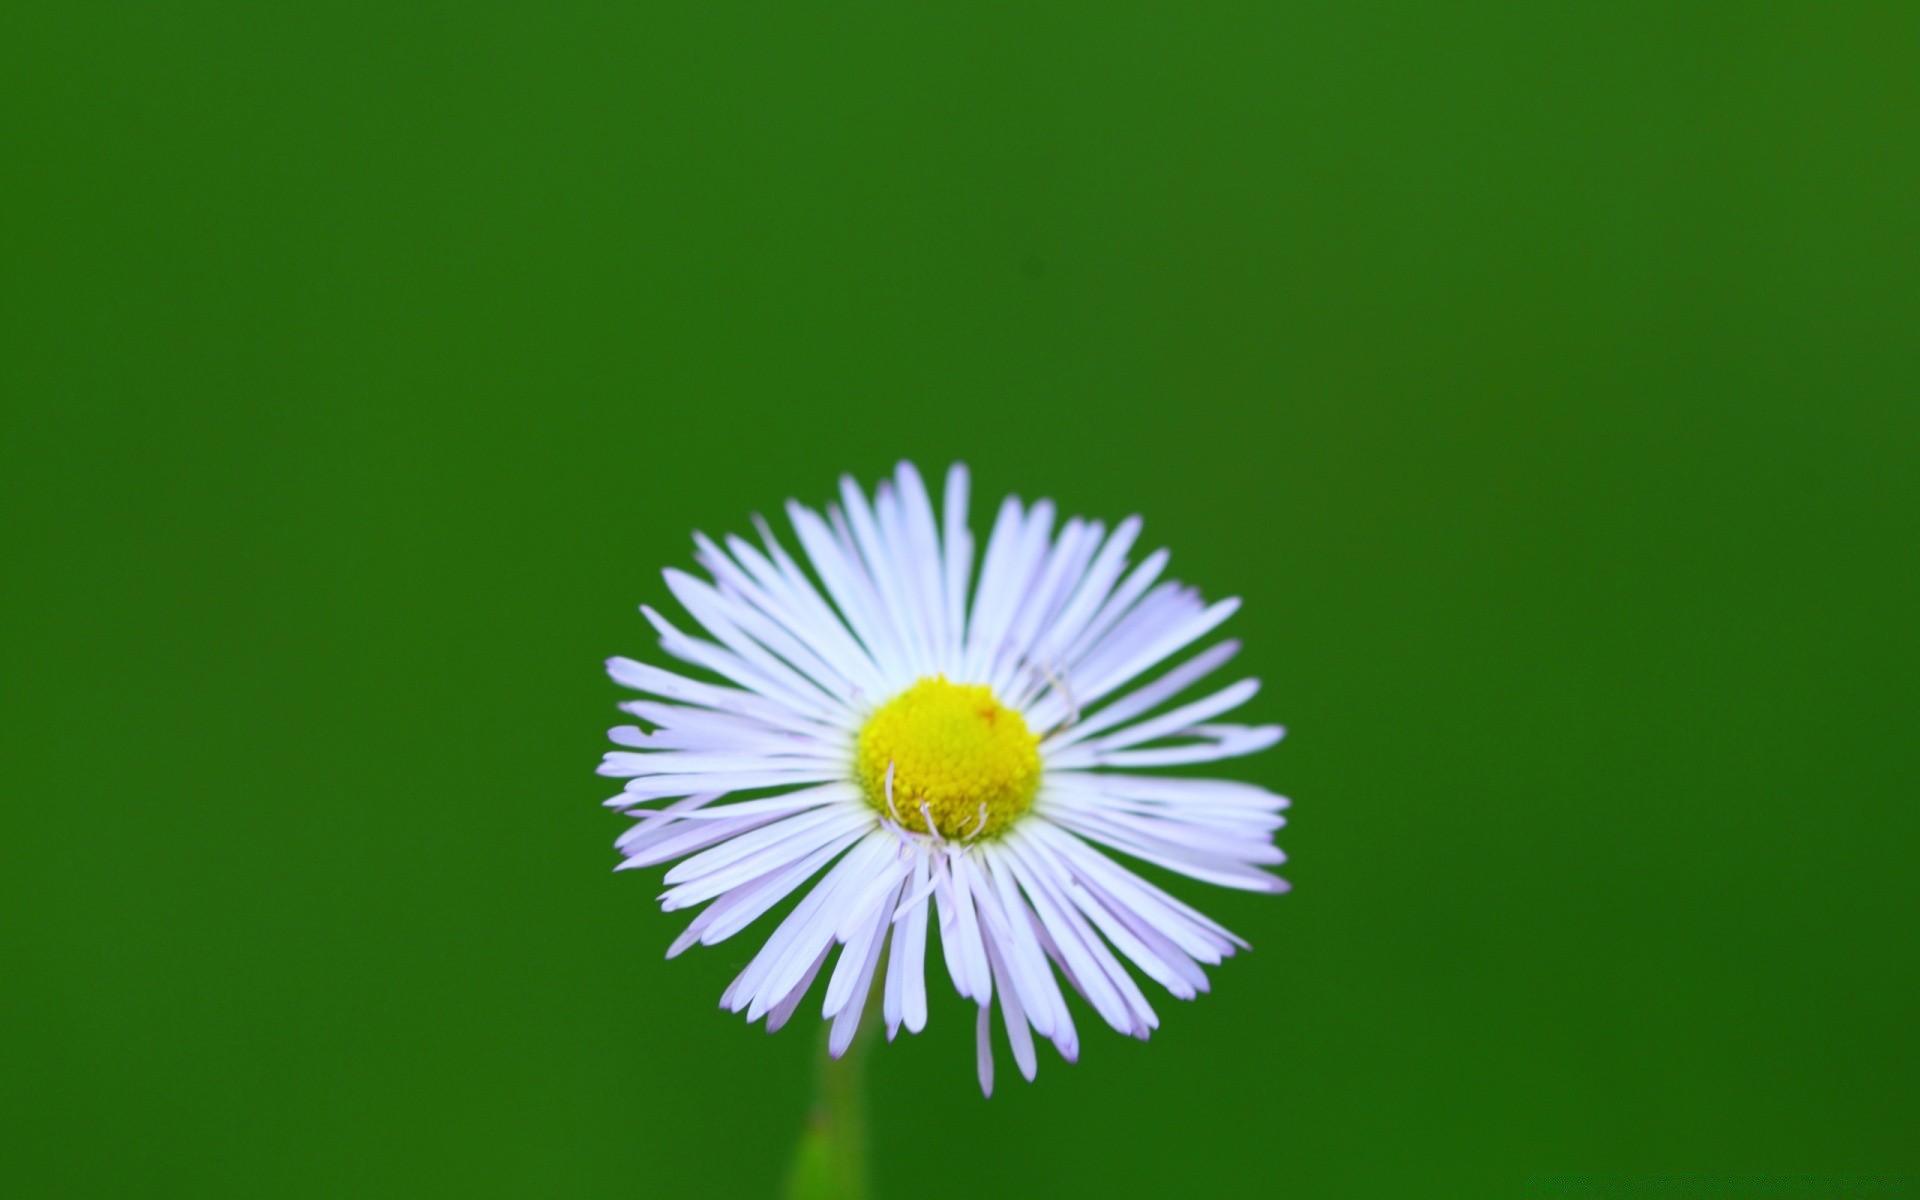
<point x="947" y="754"/>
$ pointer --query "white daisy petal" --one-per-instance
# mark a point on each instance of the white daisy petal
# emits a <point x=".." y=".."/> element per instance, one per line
<point x="1167" y="641"/>
<point x="1074" y="942"/>
<point x="998" y="590"/>
<point x="1090" y="592"/>
<point x="846" y="1023"/>
<point x="685" y="728"/>
<point x="783" y="827"/>
<point x="1118" y="604"/>
<point x="659" y="787"/>
<point x="654" y="681"/>
<point x="956" y="548"/>
<point x="868" y="934"/>
<point x="1183" y="718"/>
<point x="730" y="621"/>
<point x="791" y="599"/>
<point x="1144" y="1018"/>
<point x="802" y="926"/>
<point x="790" y="802"/>
<point x="778" y="1015"/>
<point x="1162" y="852"/>
<point x="1206" y="837"/>
<point x="1026" y="961"/>
<point x="894" y="990"/>
<point x="670" y="840"/>
<point x="886" y="882"/>
<point x="847" y="586"/>
<point x="860" y="535"/>
<point x="919" y="603"/>
<point x="779" y="684"/>
<point x="1116" y="931"/>
<point x="1230" y="827"/>
<point x="1020" y="591"/>
<point x="620" y="764"/>
<point x="752" y="855"/>
<point x="920" y="538"/>
<point x="653" y="823"/>
<point x="983" y="1050"/>
<point x="1019" y="1035"/>
<point x="749" y="902"/>
<point x="822" y="922"/>
<point x="1066" y="1038"/>
<point x="1039" y="603"/>
<point x="1212" y="743"/>
<point x="910" y="949"/>
<point x="1170" y="789"/>
<point x="745" y="904"/>
<point x="960" y="933"/>
<point x="1200" y="936"/>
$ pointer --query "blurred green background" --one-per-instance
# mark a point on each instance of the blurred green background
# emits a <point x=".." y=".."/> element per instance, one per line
<point x="1545" y="377"/>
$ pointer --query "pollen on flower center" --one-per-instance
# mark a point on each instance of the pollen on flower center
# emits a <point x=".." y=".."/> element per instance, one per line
<point x="958" y="755"/>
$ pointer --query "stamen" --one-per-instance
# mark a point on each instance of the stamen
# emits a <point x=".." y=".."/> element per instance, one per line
<point x="1065" y="689"/>
<point x="952" y="754"/>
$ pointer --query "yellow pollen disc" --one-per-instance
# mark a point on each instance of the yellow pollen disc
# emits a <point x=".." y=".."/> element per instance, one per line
<point x="967" y="758"/>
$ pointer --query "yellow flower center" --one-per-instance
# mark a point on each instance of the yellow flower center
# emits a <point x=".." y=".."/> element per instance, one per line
<point x="958" y="756"/>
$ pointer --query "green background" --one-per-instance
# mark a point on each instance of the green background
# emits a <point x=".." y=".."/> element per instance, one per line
<point x="1545" y="377"/>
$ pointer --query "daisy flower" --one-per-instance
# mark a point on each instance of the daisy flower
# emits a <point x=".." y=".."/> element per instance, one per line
<point x="943" y="751"/>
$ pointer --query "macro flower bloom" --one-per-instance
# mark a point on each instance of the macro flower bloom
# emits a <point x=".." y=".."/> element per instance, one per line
<point x="951" y="753"/>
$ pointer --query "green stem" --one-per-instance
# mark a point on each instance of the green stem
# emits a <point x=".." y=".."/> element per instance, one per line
<point x="831" y="1161"/>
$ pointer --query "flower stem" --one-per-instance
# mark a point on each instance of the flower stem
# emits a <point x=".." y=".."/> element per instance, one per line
<point x="830" y="1162"/>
